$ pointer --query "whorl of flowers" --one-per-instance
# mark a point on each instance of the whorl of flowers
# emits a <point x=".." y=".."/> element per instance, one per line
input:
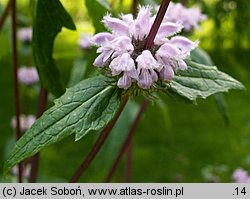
<point x="241" y="176"/>
<point x="28" y="75"/>
<point x="25" y="35"/>
<point x="122" y="50"/>
<point x="188" y="17"/>
<point x="26" y="122"/>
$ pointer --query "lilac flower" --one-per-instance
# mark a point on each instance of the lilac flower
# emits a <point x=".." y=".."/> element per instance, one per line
<point x="28" y="75"/>
<point x="146" y="66"/>
<point x="241" y="176"/>
<point x="25" y="34"/>
<point x="124" y="63"/>
<point x="85" y="42"/>
<point x="188" y="17"/>
<point x="121" y="51"/>
<point x="26" y="121"/>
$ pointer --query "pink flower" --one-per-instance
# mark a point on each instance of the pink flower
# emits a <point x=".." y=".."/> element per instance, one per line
<point x="121" y="51"/>
<point x="25" y="34"/>
<point x="241" y="176"/>
<point x="188" y="17"/>
<point x="28" y="75"/>
<point x="141" y="26"/>
<point x="146" y="66"/>
<point x="26" y="121"/>
<point x="117" y="26"/>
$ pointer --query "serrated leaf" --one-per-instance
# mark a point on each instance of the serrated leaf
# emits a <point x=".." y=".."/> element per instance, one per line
<point x="201" y="81"/>
<point x="200" y="56"/>
<point x="88" y="106"/>
<point x="97" y="9"/>
<point x="49" y="18"/>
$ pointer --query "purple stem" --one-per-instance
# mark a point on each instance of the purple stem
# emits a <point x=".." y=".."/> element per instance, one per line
<point x="128" y="162"/>
<point x="128" y="140"/>
<point x="184" y="2"/>
<point x="99" y="143"/>
<point x="129" y="157"/>
<point x="156" y="25"/>
<point x="127" y="144"/>
<point x="134" y="7"/>
<point x="16" y="86"/>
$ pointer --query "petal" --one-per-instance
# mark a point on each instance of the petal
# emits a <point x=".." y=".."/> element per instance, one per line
<point x="116" y="25"/>
<point x="99" y="61"/>
<point x="114" y="65"/>
<point x="128" y="19"/>
<point x="124" y="82"/>
<point x="153" y="75"/>
<point x="142" y="23"/>
<point x="183" y="43"/>
<point x="107" y="54"/>
<point x="133" y="73"/>
<point x="160" y="41"/>
<point x="168" y="29"/>
<point x="123" y="43"/>
<point x="167" y="73"/>
<point x="101" y="38"/>
<point x="123" y="63"/>
<point x="167" y="52"/>
<point x="147" y="61"/>
<point x="182" y="65"/>
<point x="145" y="80"/>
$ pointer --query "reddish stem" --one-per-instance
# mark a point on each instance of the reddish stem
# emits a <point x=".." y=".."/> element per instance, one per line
<point x="184" y="2"/>
<point x="128" y="163"/>
<point x="156" y="25"/>
<point x="128" y="140"/>
<point x="5" y="14"/>
<point x="99" y="143"/>
<point x="127" y="144"/>
<point x="16" y="86"/>
<point x="134" y="7"/>
<point x="42" y="104"/>
<point x="129" y="157"/>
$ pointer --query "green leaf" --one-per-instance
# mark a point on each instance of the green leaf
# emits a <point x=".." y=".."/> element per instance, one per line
<point x="200" y="81"/>
<point x="88" y="106"/>
<point x="97" y="9"/>
<point x="200" y="56"/>
<point x="49" y="18"/>
<point x="78" y="72"/>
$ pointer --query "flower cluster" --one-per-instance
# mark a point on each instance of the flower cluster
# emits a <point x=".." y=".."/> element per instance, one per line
<point x="26" y="122"/>
<point x="122" y="50"/>
<point x="188" y="17"/>
<point x="28" y="75"/>
<point x="241" y="176"/>
<point x="25" y="35"/>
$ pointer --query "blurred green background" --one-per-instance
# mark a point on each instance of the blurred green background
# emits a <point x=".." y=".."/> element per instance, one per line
<point x="175" y="141"/>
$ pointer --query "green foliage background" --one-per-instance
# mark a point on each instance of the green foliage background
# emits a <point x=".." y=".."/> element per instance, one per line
<point x="176" y="141"/>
